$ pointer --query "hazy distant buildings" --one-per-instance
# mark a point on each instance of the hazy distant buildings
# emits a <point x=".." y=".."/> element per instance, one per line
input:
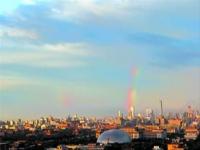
<point x="120" y="118"/>
<point x="149" y="115"/>
<point x="160" y="120"/>
<point x="142" y="127"/>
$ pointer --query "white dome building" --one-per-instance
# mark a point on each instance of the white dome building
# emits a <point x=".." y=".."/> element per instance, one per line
<point x="114" y="136"/>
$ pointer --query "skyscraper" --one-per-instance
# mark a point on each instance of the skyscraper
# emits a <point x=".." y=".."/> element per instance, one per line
<point x="131" y="113"/>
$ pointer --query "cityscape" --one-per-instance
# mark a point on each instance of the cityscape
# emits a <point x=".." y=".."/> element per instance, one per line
<point x="99" y="75"/>
<point x="180" y="131"/>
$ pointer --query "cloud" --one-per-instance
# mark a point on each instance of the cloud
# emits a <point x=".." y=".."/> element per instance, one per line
<point x="99" y="40"/>
<point x="89" y="9"/>
<point x="13" y="32"/>
<point x="70" y="48"/>
<point x="60" y="55"/>
<point x="148" y="29"/>
<point x="29" y="2"/>
<point x="78" y="10"/>
<point x="164" y="51"/>
<point x="8" y="82"/>
<point x="153" y="16"/>
<point x="160" y="17"/>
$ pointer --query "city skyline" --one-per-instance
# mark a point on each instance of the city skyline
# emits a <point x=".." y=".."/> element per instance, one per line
<point x="97" y="57"/>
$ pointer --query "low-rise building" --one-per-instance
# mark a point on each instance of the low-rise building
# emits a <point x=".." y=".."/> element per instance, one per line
<point x="154" y="134"/>
<point x="174" y="147"/>
<point x="191" y="133"/>
<point x="134" y="134"/>
<point x="174" y="122"/>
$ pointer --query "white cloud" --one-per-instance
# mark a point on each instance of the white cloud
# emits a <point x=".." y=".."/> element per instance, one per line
<point x="70" y="48"/>
<point x="60" y="55"/>
<point x="152" y="16"/>
<point x="14" y="32"/>
<point x="79" y="10"/>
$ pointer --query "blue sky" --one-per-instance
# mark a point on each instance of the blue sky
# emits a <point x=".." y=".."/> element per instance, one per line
<point x="75" y="56"/>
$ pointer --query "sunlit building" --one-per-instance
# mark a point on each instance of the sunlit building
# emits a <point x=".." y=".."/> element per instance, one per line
<point x="191" y="133"/>
<point x="174" y="147"/>
<point x="175" y="122"/>
<point x="134" y="134"/>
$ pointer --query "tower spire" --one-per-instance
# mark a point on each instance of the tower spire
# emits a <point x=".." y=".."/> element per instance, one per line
<point x="161" y="107"/>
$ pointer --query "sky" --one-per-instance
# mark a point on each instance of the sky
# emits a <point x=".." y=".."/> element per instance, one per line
<point x="86" y="56"/>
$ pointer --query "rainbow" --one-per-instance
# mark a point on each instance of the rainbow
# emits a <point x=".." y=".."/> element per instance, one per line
<point x="132" y="93"/>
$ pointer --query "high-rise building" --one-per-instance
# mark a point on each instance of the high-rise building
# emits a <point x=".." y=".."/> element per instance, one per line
<point x="119" y="118"/>
<point x="119" y="114"/>
<point x="149" y="113"/>
<point x="131" y="113"/>
<point x="190" y="112"/>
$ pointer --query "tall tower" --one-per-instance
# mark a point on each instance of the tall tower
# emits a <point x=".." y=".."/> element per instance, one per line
<point x="119" y="114"/>
<point x="119" y="118"/>
<point x="132" y="112"/>
<point x="161" y="107"/>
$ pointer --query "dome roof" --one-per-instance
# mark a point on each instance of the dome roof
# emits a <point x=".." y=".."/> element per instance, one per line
<point x="114" y="136"/>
